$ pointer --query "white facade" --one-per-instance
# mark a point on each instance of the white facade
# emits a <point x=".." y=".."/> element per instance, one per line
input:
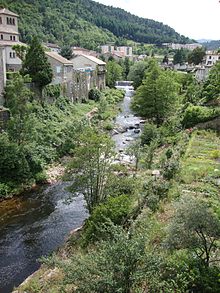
<point x="211" y="58"/>
<point x="107" y="49"/>
<point x="190" y="47"/>
<point x="126" y="51"/>
<point x="9" y="37"/>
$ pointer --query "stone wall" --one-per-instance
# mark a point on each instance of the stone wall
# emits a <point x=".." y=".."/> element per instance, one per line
<point x="2" y="75"/>
<point x="4" y="117"/>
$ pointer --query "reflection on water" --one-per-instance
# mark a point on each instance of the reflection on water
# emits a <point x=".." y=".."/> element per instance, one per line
<point x="34" y="225"/>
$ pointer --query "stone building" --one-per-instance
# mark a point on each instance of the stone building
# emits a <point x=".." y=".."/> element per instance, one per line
<point x="62" y="72"/>
<point x="9" y="36"/>
<point x="2" y="74"/>
<point x="91" y="64"/>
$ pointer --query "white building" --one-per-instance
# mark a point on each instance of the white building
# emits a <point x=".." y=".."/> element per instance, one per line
<point x="211" y="58"/>
<point x="107" y="49"/>
<point x="9" y="36"/>
<point x="190" y="47"/>
<point x="53" y="47"/>
<point x="90" y="63"/>
<point x="125" y="51"/>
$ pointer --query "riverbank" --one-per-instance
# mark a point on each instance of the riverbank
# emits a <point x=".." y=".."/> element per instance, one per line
<point x="52" y="138"/>
<point x="198" y="176"/>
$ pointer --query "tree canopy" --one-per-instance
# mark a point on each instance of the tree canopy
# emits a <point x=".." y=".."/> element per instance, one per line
<point x="156" y="98"/>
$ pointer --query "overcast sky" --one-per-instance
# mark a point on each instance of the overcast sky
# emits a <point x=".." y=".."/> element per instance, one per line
<point x="198" y="19"/>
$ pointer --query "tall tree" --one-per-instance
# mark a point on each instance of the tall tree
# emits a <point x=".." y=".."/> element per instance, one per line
<point x="37" y="65"/>
<point x="137" y="72"/>
<point x="211" y="89"/>
<point x="17" y="100"/>
<point x="180" y="57"/>
<point x="114" y="73"/>
<point x="156" y="98"/>
<point x="196" y="56"/>
<point x="90" y="167"/>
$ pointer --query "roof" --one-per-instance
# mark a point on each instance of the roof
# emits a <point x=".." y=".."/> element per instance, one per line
<point x="50" y="45"/>
<point x="59" y="58"/>
<point x="93" y="59"/>
<point x="11" y="43"/>
<point x="7" y="12"/>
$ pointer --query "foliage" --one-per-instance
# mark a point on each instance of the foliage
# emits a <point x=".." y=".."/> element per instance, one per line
<point x="114" y="210"/>
<point x="196" y="56"/>
<point x="149" y="133"/>
<point x="114" y="73"/>
<point x="94" y="94"/>
<point x="18" y="98"/>
<point x="37" y="65"/>
<point x="156" y="98"/>
<point x="90" y="167"/>
<point x="180" y="56"/>
<point x="87" y="24"/>
<point x="198" y="114"/>
<point x="114" y="267"/>
<point x="21" y="51"/>
<point x="66" y="52"/>
<point x="195" y="227"/>
<point x="137" y="73"/>
<point x="211" y="89"/>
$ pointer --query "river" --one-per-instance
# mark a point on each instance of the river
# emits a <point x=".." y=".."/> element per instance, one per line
<point x="38" y="222"/>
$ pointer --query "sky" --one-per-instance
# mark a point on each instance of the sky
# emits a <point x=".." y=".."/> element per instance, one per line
<point x="197" y="19"/>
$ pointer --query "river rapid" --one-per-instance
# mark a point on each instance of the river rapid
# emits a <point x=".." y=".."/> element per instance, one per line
<point x="36" y="223"/>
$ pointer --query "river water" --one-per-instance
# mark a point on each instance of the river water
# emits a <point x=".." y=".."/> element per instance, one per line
<point x="38" y="222"/>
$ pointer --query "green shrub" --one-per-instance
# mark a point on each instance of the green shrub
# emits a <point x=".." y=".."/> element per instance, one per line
<point x="198" y="114"/>
<point x="95" y="94"/>
<point x="114" y="210"/>
<point x="150" y="133"/>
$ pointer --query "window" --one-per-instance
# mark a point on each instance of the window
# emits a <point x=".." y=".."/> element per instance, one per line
<point x="13" y="21"/>
<point x="210" y="57"/>
<point x="0" y="20"/>
<point x="14" y="38"/>
<point x="10" y="38"/>
<point x="12" y="55"/>
<point x="2" y="37"/>
<point x="58" y="69"/>
<point x="7" y="20"/>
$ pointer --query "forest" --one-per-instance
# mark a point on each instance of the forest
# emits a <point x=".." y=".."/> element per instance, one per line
<point x="86" y="23"/>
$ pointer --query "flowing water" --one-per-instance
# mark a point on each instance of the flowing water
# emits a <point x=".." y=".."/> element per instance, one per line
<point x="38" y="222"/>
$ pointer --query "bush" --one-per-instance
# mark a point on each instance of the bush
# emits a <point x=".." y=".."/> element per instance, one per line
<point x="198" y="114"/>
<point x="114" y="210"/>
<point x="94" y="94"/>
<point x="150" y="133"/>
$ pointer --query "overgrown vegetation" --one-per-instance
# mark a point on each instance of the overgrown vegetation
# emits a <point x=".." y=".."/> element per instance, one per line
<point x="86" y="23"/>
<point x="153" y="227"/>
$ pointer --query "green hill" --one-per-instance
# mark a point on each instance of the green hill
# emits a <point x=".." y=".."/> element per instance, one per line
<point x="86" y="23"/>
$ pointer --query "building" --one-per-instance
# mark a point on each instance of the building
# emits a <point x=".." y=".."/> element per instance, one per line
<point x="62" y="72"/>
<point x="125" y="51"/>
<point x="9" y="36"/>
<point x="211" y="58"/>
<point x="190" y="47"/>
<point x="53" y="47"/>
<point x="82" y="51"/>
<point x="107" y="49"/>
<point x="2" y="74"/>
<point x="87" y="63"/>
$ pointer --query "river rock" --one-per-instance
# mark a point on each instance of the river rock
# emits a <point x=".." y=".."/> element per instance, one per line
<point x="131" y="127"/>
<point x="137" y="131"/>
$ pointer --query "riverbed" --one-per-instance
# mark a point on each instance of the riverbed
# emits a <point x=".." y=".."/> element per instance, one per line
<point x="38" y="222"/>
